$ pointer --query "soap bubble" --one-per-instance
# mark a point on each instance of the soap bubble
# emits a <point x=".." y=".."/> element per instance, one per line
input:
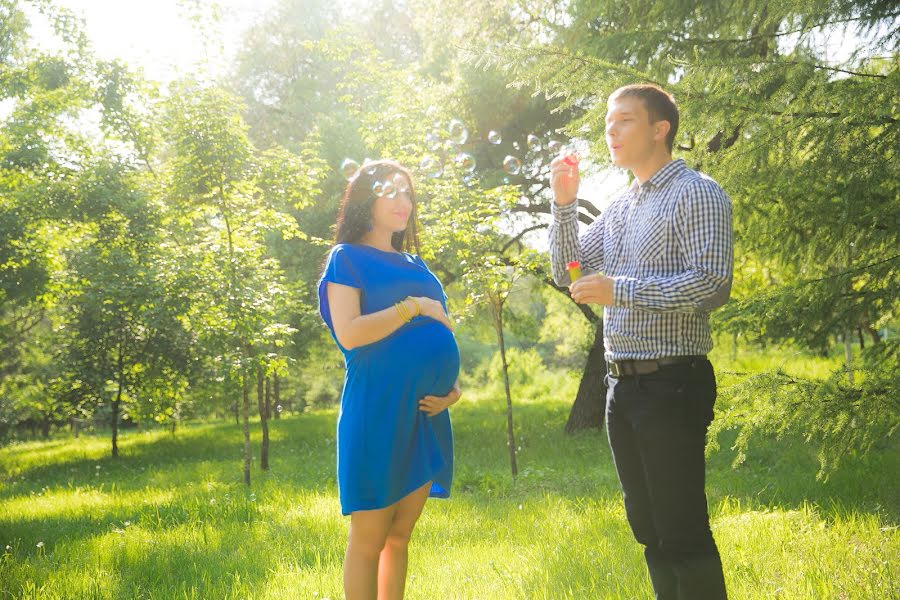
<point x="279" y="408"/>
<point x="465" y="161"/>
<point x="517" y="146"/>
<point x="512" y="165"/>
<point x="431" y="167"/>
<point x="400" y="183"/>
<point x="388" y="189"/>
<point x="468" y="179"/>
<point x="555" y="147"/>
<point x="433" y="141"/>
<point x="534" y="143"/>
<point x="458" y="131"/>
<point x="494" y="137"/>
<point x="349" y="168"/>
<point x="378" y="189"/>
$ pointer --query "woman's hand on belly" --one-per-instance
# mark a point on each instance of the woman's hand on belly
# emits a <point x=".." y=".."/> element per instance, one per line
<point x="428" y="307"/>
<point x="432" y="405"/>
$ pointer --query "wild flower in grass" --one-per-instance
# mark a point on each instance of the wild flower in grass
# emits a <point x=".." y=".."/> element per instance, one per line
<point x="212" y="500"/>
<point x="127" y="523"/>
<point x="40" y="545"/>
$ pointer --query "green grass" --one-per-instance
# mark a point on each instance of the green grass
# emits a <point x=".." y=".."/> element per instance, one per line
<point x="170" y="518"/>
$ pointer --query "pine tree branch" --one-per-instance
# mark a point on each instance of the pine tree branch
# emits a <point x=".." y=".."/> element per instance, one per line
<point x="796" y="63"/>
<point x="884" y="119"/>
<point x="702" y="42"/>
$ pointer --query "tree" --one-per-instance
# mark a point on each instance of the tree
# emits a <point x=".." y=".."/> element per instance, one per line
<point x="125" y="341"/>
<point x="800" y="140"/>
<point x="231" y="196"/>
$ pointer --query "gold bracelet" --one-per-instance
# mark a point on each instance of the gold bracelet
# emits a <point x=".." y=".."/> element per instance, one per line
<point x="418" y="308"/>
<point x="402" y="311"/>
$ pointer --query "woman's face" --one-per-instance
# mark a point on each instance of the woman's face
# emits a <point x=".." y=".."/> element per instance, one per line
<point x="392" y="213"/>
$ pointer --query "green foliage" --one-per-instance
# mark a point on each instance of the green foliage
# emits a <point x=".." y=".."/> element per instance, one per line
<point x="842" y="417"/>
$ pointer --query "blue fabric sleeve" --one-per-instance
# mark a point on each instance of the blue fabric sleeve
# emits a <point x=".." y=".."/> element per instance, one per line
<point x="339" y="268"/>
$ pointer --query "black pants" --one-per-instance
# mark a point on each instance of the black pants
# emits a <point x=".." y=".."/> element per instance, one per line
<point x="657" y="426"/>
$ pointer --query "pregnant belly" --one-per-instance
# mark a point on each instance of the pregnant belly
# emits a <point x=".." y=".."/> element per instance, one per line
<point x="426" y="351"/>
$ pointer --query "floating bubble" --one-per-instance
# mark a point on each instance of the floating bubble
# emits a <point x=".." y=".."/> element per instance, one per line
<point x="534" y="143"/>
<point x="494" y="137"/>
<point x="468" y="179"/>
<point x="433" y="141"/>
<point x="465" y="161"/>
<point x="555" y="147"/>
<point x="279" y="408"/>
<point x="388" y="189"/>
<point x="431" y="167"/>
<point x="512" y="165"/>
<point x="349" y="168"/>
<point x="400" y="183"/>
<point x="517" y="146"/>
<point x="378" y="189"/>
<point x="458" y="131"/>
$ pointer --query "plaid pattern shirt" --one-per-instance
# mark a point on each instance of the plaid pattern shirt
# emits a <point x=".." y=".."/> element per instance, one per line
<point x="667" y="244"/>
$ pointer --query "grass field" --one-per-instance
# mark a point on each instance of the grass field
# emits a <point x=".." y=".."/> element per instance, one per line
<point x="170" y="518"/>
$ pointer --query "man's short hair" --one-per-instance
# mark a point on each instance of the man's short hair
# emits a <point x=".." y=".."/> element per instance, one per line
<point x="659" y="104"/>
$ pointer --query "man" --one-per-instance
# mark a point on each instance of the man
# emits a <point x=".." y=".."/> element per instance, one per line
<point x="659" y="258"/>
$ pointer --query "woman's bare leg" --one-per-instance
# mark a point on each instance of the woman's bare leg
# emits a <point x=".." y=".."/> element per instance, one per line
<point x="368" y="532"/>
<point x="394" y="555"/>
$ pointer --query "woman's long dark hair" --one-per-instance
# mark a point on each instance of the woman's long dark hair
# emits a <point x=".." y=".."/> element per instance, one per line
<point x="355" y="215"/>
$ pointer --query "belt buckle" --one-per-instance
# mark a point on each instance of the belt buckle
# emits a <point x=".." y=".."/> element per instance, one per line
<point x="613" y="369"/>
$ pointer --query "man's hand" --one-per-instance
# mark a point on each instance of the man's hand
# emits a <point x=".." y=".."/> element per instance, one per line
<point x="592" y="289"/>
<point x="564" y="180"/>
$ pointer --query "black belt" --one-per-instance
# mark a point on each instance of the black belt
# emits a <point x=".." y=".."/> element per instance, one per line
<point x="621" y="368"/>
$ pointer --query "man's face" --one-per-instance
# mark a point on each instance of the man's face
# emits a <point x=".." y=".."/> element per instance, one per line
<point x="630" y="136"/>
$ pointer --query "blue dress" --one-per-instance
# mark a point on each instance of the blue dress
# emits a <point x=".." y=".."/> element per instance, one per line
<point x="387" y="447"/>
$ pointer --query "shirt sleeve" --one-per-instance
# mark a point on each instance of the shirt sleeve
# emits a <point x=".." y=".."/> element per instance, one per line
<point x="567" y="246"/>
<point x="339" y="268"/>
<point x="703" y="232"/>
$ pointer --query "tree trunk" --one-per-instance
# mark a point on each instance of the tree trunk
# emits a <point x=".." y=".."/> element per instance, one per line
<point x="45" y="426"/>
<point x="510" y="432"/>
<point x="277" y="413"/>
<point x="589" y="408"/>
<point x="116" y="403"/>
<point x="848" y="353"/>
<point x="276" y="389"/>
<point x="263" y="419"/>
<point x="115" y="422"/>
<point x="245" y="392"/>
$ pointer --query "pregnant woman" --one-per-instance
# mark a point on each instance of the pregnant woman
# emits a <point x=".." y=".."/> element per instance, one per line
<point x="387" y="313"/>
